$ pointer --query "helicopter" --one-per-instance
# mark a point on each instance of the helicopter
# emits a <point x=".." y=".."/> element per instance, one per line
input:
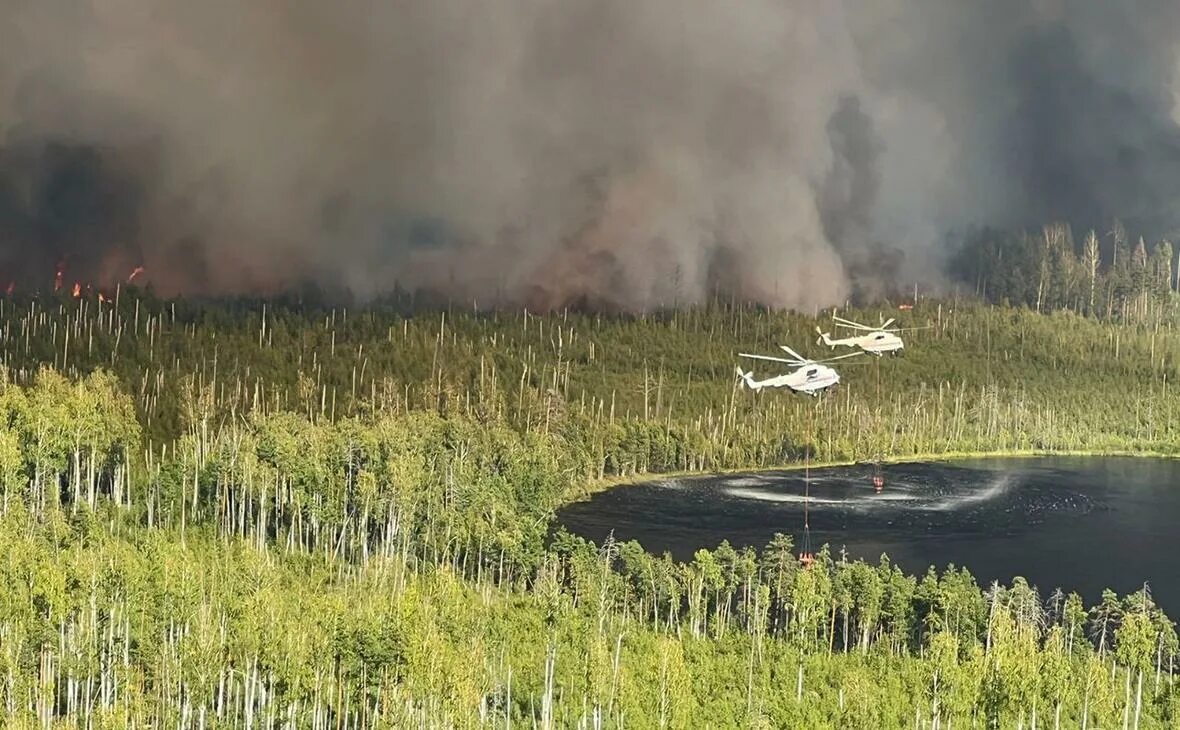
<point x="810" y="377"/>
<point x="875" y="340"/>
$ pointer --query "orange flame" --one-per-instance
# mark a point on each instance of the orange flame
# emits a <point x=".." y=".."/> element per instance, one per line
<point x="134" y="273"/>
<point x="77" y="290"/>
<point x="57" y="276"/>
<point x="101" y="298"/>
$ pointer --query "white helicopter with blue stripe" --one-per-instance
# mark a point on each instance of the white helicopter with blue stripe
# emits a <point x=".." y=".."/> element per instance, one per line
<point x="810" y="377"/>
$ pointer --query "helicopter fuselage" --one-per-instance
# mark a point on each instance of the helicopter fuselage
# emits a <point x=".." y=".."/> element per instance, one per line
<point x="875" y="343"/>
<point x="809" y="379"/>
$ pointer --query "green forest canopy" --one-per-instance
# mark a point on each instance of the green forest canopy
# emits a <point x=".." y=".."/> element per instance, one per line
<point x="229" y="515"/>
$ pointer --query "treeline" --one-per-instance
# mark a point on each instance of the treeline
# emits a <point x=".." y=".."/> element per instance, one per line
<point x="1099" y="275"/>
<point x="648" y="393"/>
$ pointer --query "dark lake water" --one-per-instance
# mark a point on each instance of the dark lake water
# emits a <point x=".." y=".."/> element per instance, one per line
<point x="1079" y="523"/>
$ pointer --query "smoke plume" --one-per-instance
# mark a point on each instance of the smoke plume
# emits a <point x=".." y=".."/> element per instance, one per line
<point x="612" y="152"/>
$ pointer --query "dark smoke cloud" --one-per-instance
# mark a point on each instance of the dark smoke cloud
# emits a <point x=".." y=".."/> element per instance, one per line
<point x="610" y="152"/>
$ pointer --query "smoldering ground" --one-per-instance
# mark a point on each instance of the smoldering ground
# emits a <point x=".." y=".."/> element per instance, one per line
<point x="627" y="154"/>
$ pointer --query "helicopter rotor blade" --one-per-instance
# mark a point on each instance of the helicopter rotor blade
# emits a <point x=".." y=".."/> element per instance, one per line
<point x="839" y="357"/>
<point x="771" y="359"/>
<point x="838" y="318"/>
<point x="887" y="322"/>
<point x="793" y="354"/>
<point x="858" y="327"/>
<point x="854" y="325"/>
<point x="911" y="329"/>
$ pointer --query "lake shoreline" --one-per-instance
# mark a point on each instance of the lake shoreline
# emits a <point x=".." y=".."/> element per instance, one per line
<point x="601" y="485"/>
<point x="1079" y="521"/>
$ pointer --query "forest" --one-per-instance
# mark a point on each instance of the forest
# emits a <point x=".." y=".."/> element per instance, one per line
<point x="1102" y="275"/>
<point x="283" y="514"/>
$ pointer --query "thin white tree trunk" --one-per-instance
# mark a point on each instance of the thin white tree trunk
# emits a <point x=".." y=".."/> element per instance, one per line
<point x="1138" y="698"/>
<point x="1127" y="702"/>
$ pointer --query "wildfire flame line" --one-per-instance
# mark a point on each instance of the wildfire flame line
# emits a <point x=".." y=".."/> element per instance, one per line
<point x="78" y="288"/>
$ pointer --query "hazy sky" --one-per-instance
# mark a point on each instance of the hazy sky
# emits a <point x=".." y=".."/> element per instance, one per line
<point x="630" y="152"/>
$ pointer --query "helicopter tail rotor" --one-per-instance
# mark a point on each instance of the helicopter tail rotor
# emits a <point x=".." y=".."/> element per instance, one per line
<point x="746" y="378"/>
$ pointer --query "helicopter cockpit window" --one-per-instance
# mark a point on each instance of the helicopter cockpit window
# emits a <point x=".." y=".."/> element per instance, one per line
<point x="879" y="337"/>
<point x="811" y="373"/>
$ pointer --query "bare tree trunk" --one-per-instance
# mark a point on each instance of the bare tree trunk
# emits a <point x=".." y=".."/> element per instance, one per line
<point x="934" y="704"/>
<point x="1138" y="698"/>
<point x="547" y="698"/>
<point x="1092" y="257"/>
<point x="1127" y="703"/>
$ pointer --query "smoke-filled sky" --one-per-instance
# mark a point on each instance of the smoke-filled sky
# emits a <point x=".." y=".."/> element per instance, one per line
<point x="625" y="153"/>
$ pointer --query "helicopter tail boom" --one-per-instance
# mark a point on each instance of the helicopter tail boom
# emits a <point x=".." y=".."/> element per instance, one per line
<point x="826" y="338"/>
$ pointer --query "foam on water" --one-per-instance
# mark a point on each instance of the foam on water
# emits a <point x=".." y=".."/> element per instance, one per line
<point x="668" y="484"/>
<point x="997" y="488"/>
<point x="765" y="496"/>
<point x="900" y="493"/>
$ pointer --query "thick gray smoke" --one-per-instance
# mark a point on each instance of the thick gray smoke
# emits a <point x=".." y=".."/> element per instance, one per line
<point x="622" y="153"/>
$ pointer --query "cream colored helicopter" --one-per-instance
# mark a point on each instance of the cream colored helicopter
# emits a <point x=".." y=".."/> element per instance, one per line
<point x="810" y="377"/>
<point x="875" y="340"/>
